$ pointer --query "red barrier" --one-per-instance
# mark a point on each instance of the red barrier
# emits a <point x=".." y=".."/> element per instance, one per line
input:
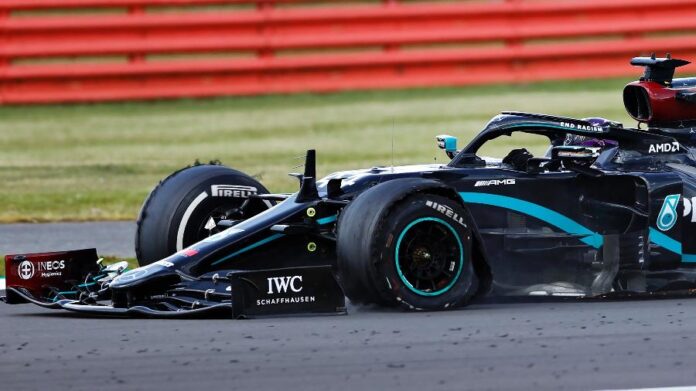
<point x="134" y="50"/>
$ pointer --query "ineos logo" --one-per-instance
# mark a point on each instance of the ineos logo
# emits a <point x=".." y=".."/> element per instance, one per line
<point x="51" y="265"/>
<point x="281" y="284"/>
<point x="25" y="270"/>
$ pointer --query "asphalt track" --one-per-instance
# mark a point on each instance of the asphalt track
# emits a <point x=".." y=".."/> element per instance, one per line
<point x="110" y="238"/>
<point x="487" y="346"/>
<point x="510" y="346"/>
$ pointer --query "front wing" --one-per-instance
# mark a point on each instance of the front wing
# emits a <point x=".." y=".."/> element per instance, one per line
<point x="77" y="282"/>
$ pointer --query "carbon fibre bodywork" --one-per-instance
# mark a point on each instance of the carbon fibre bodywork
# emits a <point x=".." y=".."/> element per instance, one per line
<point x="536" y="226"/>
<point x="621" y="224"/>
<point x="580" y="221"/>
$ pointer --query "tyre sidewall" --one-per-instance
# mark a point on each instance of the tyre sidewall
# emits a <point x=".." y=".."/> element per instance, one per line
<point x="186" y="193"/>
<point x="198" y="213"/>
<point x="412" y="209"/>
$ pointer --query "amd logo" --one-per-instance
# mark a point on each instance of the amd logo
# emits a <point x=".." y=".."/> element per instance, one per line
<point x="495" y="182"/>
<point x="282" y="284"/>
<point x="664" y="148"/>
<point x="232" y="191"/>
<point x="690" y="208"/>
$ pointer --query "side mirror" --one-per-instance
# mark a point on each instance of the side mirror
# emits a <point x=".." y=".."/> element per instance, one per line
<point x="448" y="143"/>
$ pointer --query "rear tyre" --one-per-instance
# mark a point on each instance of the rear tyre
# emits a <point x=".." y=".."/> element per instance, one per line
<point x="415" y="252"/>
<point x="176" y="212"/>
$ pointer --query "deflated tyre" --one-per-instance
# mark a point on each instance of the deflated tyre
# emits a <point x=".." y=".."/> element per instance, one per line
<point x="415" y="252"/>
<point x="185" y="207"/>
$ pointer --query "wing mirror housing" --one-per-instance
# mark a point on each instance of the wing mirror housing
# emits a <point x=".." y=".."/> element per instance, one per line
<point x="448" y="143"/>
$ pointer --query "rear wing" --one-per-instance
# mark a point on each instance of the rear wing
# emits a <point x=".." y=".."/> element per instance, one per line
<point x="659" y="70"/>
<point x="666" y="104"/>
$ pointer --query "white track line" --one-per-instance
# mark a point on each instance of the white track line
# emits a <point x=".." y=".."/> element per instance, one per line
<point x="683" y="388"/>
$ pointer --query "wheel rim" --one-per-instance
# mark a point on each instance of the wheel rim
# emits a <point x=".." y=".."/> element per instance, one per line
<point x="196" y="231"/>
<point x="429" y="256"/>
<point x="217" y="214"/>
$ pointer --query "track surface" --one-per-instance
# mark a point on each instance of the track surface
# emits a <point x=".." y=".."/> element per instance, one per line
<point x="110" y="238"/>
<point x="562" y="345"/>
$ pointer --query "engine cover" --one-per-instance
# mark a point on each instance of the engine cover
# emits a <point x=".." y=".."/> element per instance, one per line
<point x="659" y="100"/>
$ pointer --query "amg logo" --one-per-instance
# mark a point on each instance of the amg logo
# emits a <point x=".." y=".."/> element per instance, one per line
<point x="232" y="191"/>
<point x="664" y="148"/>
<point x="495" y="182"/>
<point x="281" y="284"/>
<point x="447" y="211"/>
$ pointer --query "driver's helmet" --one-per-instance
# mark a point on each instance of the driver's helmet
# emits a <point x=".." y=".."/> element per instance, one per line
<point x="584" y="141"/>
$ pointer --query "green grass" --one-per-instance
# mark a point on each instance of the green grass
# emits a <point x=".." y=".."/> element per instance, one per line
<point x="91" y="162"/>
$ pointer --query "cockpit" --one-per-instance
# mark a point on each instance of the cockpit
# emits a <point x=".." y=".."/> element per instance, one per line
<point x="537" y="149"/>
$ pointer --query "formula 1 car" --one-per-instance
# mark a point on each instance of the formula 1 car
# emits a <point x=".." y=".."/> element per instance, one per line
<point x="606" y="211"/>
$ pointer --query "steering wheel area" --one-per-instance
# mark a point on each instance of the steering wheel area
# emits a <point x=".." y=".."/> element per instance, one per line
<point x="562" y="154"/>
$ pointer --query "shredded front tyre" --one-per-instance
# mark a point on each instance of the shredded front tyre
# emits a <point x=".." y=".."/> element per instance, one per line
<point x="415" y="252"/>
<point x="180" y="210"/>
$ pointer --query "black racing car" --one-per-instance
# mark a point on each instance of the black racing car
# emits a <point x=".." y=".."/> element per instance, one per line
<point x="605" y="211"/>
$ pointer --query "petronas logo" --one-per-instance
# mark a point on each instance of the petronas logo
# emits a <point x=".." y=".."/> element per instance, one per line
<point x="668" y="213"/>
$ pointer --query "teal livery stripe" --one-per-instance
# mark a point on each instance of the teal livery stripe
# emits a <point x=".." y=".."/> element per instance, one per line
<point x="249" y="247"/>
<point x="327" y="220"/>
<point x="566" y="224"/>
<point x="670" y="244"/>
<point x="690" y="258"/>
<point x="537" y="211"/>
<point x="322" y="221"/>
<point x="538" y="125"/>
<point x="665" y="241"/>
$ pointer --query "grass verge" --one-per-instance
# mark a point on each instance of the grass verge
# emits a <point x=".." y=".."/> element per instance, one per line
<point x="99" y="161"/>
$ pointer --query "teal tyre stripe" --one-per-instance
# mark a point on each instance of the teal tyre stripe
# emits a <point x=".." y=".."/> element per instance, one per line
<point x="398" y="267"/>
